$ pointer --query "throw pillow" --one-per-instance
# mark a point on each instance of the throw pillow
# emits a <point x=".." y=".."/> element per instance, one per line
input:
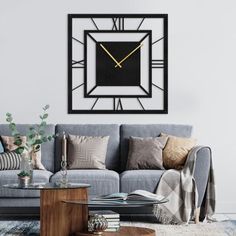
<point x="176" y="151"/>
<point x="8" y="142"/>
<point x="145" y="153"/>
<point x="86" y="152"/>
<point x="10" y="161"/>
<point x="37" y="160"/>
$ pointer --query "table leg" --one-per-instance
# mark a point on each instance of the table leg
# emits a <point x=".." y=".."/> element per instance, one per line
<point x="61" y="219"/>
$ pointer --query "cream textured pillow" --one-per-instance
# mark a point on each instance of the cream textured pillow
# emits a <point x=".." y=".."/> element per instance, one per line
<point x="85" y="152"/>
<point x="176" y="151"/>
<point x="145" y="153"/>
<point x="8" y="142"/>
<point x="36" y="160"/>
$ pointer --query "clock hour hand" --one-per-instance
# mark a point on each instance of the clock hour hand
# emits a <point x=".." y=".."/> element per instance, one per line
<point x="109" y="54"/>
<point x="139" y="46"/>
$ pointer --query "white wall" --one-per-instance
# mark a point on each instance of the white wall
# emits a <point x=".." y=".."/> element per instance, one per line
<point x="202" y="81"/>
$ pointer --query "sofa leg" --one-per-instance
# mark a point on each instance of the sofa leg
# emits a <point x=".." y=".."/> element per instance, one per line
<point x="196" y="215"/>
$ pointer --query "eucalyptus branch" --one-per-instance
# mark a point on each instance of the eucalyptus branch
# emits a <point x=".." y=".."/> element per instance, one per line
<point x="17" y="138"/>
<point x="35" y="135"/>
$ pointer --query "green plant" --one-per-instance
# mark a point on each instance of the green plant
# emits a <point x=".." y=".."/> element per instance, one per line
<point x="35" y="136"/>
<point x="23" y="174"/>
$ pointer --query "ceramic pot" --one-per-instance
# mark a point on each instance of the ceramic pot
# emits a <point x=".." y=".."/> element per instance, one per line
<point x="23" y="181"/>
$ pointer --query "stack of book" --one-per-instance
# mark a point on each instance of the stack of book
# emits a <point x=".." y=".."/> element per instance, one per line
<point x="113" y="219"/>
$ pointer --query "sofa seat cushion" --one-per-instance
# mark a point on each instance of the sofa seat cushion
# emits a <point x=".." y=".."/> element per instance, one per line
<point x="10" y="177"/>
<point x="101" y="181"/>
<point x="140" y="179"/>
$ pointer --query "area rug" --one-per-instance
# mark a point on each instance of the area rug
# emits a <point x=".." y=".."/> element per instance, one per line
<point x="223" y="228"/>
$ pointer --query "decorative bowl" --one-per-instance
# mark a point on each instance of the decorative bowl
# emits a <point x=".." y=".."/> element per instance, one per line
<point x="97" y="224"/>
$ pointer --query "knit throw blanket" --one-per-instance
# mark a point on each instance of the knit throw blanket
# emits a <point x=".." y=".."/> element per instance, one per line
<point x="180" y="189"/>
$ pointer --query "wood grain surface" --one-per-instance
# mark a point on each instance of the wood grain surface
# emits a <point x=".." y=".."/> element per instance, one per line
<point x="62" y="219"/>
<point x="125" y="231"/>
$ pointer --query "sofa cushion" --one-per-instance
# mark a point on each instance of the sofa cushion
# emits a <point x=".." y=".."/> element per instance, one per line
<point x="10" y="161"/>
<point x="47" y="150"/>
<point x="101" y="181"/>
<point x="148" y="131"/>
<point x="145" y="153"/>
<point x="10" y="177"/>
<point x="112" y="157"/>
<point x="148" y="180"/>
<point x="8" y="142"/>
<point x="87" y="152"/>
<point x="9" y="146"/>
<point x="176" y="151"/>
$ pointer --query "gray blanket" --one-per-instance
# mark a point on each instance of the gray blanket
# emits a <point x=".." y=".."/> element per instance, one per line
<point x="180" y="189"/>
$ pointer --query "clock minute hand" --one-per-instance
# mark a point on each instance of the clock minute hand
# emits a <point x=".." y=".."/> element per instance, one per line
<point x="109" y="54"/>
<point x="139" y="46"/>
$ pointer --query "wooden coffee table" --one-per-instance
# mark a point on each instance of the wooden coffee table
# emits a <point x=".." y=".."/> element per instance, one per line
<point x="125" y="231"/>
<point x="56" y="217"/>
<point x="64" y="210"/>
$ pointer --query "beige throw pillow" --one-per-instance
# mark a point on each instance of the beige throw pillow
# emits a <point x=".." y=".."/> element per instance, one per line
<point x="145" y="153"/>
<point x="36" y="160"/>
<point x="176" y="151"/>
<point x="8" y="142"/>
<point x="85" y="152"/>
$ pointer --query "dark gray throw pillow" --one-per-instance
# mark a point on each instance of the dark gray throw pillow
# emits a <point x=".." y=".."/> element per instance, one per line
<point x="85" y="152"/>
<point x="145" y="153"/>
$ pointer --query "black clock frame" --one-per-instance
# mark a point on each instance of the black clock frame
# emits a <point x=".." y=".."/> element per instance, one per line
<point x="165" y="60"/>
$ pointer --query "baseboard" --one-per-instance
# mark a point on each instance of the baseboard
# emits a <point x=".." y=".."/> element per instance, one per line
<point x="226" y="207"/>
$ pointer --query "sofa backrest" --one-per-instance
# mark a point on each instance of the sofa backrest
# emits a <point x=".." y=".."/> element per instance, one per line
<point x="148" y="131"/>
<point x="118" y="146"/>
<point x="47" y="148"/>
<point x="112" y="158"/>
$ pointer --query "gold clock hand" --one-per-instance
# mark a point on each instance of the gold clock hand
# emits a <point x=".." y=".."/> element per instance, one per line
<point x="139" y="46"/>
<point x="109" y="54"/>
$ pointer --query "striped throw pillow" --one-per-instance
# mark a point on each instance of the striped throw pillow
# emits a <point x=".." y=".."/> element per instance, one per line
<point x="9" y="146"/>
<point x="10" y="161"/>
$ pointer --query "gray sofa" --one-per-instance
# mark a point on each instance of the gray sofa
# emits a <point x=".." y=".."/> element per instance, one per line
<point x="114" y="179"/>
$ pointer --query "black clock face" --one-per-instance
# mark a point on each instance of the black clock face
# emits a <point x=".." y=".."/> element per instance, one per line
<point x="108" y="74"/>
<point x="117" y="69"/>
<point x="117" y="63"/>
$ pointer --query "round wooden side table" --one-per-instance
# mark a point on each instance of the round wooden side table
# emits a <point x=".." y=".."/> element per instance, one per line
<point x="125" y="231"/>
<point x="56" y="217"/>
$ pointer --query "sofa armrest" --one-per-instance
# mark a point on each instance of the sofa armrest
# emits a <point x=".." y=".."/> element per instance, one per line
<point x="201" y="171"/>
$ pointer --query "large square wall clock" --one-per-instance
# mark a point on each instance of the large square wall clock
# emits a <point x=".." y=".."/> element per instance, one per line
<point x="118" y="63"/>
